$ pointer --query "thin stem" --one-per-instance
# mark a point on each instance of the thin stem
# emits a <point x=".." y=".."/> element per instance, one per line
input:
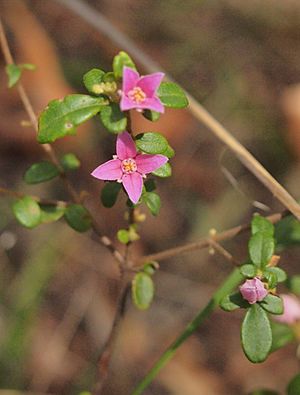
<point x="206" y="242"/>
<point x="102" y="24"/>
<point x="222" y="251"/>
<point x="46" y="202"/>
<point x="231" y="282"/>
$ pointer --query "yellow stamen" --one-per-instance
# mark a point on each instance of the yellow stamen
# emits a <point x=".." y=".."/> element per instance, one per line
<point x="137" y="95"/>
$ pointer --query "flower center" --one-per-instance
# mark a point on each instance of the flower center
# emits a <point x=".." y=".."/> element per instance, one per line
<point x="137" y="95"/>
<point x="129" y="166"/>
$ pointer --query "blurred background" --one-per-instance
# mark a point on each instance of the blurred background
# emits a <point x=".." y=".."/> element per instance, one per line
<point x="58" y="288"/>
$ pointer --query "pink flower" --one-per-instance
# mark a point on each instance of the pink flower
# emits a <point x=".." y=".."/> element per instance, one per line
<point x="129" y="167"/>
<point x="140" y="92"/>
<point x="291" y="310"/>
<point x="253" y="290"/>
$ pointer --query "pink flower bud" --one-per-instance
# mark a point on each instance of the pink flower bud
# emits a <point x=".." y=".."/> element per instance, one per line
<point x="253" y="290"/>
<point x="291" y="310"/>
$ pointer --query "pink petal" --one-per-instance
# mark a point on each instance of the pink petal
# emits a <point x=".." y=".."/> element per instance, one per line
<point x="133" y="184"/>
<point x="150" y="83"/>
<point x="130" y="79"/>
<point x="152" y="104"/>
<point x="110" y="170"/>
<point x="125" y="146"/>
<point x="148" y="163"/>
<point x="126" y="103"/>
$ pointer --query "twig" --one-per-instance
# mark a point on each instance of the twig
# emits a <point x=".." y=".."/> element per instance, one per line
<point x="50" y="152"/>
<point x="46" y="202"/>
<point x="206" y="242"/>
<point x="103" y="25"/>
<point x="222" y="251"/>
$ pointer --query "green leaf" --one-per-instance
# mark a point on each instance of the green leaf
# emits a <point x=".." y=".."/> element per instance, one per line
<point x="256" y="334"/>
<point x="287" y="231"/>
<point x="171" y="95"/>
<point x="282" y="334"/>
<point x="280" y="274"/>
<point x="261" y="248"/>
<point x="142" y="290"/>
<point x="150" y="185"/>
<point x="294" y="386"/>
<point x="150" y="268"/>
<point x="27" y="212"/>
<point x="51" y="213"/>
<point x="123" y="236"/>
<point x="233" y="302"/>
<point x="164" y="171"/>
<point x="70" y="162"/>
<point x="248" y="270"/>
<point x="151" y="115"/>
<point x="264" y="392"/>
<point x="78" y="217"/>
<point x="152" y="201"/>
<point x="61" y="117"/>
<point x="272" y="279"/>
<point x="14" y="74"/>
<point x="151" y="143"/>
<point x="261" y="224"/>
<point x="293" y="284"/>
<point x="41" y="172"/>
<point x="272" y="304"/>
<point x="109" y="193"/>
<point x="169" y="152"/>
<point x="132" y="233"/>
<point x="121" y="60"/>
<point x="28" y="66"/>
<point x="113" y="118"/>
<point x="92" y="81"/>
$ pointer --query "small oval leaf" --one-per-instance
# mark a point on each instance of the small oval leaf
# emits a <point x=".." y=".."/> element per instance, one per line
<point x="256" y="334"/>
<point x="261" y="248"/>
<point x="14" y="73"/>
<point x="233" y="302"/>
<point x="70" y="162"/>
<point x="109" y="194"/>
<point x="151" y="115"/>
<point x="261" y="224"/>
<point x="61" y="117"/>
<point x="121" y="60"/>
<point x="248" y="270"/>
<point x="41" y="172"/>
<point x="272" y="304"/>
<point x="152" y="201"/>
<point x="163" y="171"/>
<point x="280" y="274"/>
<point x="51" y="213"/>
<point x="113" y="119"/>
<point x="123" y="236"/>
<point x="78" y="217"/>
<point x="171" y="95"/>
<point x="142" y="290"/>
<point x="27" y="211"/>
<point x="151" y="143"/>
<point x="294" y="386"/>
<point x="92" y="80"/>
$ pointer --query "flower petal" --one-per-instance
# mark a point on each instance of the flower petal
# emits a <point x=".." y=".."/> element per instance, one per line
<point x="133" y="184"/>
<point x="148" y="163"/>
<point x="150" y="83"/>
<point x="126" y="103"/>
<point x="110" y="170"/>
<point x="130" y="79"/>
<point x="152" y="104"/>
<point x="125" y="146"/>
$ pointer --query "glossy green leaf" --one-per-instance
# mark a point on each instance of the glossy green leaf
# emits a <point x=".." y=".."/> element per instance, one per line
<point x="149" y="185"/>
<point x="109" y="193"/>
<point x="164" y="171"/>
<point x="152" y="201"/>
<point x="41" y="172"/>
<point x="27" y="211"/>
<point x="142" y="290"/>
<point x="51" y="213"/>
<point x="113" y="118"/>
<point x="70" y="162"/>
<point x="271" y="277"/>
<point x="293" y="284"/>
<point x="256" y="334"/>
<point x="78" y="217"/>
<point x="171" y="95"/>
<point x="150" y="268"/>
<point x="169" y="152"/>
<point x="61" y="117"/>
<point x="121" y="60"/>
<point x="261" y="224"/>
<point x="294" y="386"/>
<point x="272" y="304"/>
<point x="280" y="274"/>
<point x="233" y="302"/>
<point x="261" y="248"/>
<point x="123" y="236"/>
<point x="14" y="73"/>
<point x="248" y="270"/>
<point x="151" y="115"/>
<point x="287" y="232"/>
<point x="151" y="143"/>
<point x="92" y="81"/>
<point x="28" y="66"/>
<point x="282" y="335"/>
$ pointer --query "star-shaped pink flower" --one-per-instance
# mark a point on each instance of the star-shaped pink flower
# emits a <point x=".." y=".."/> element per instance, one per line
<point x="291" y="309"/>
<point x="140" y="92"/>
<point x="253" y="290"/>
<point x="129" y="167"/>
